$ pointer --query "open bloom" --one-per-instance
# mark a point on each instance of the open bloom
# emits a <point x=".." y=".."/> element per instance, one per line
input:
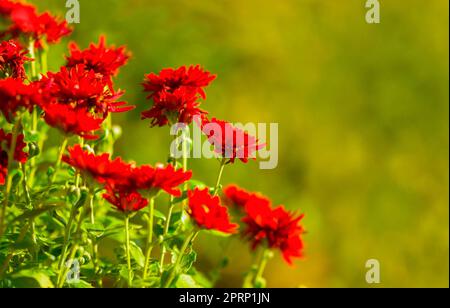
<point x="100" y="58"/>
<point x="230" y="142"/>
<point x="5" y="146"/>
<point x="208" y="213"/>
<point x="15" y="95"/>
<point x="83" y="88"/>
<point x="26" y="21"/>
<point x="176" y="94"/>
<point x="275" y="228"/>
<point x="72" y="121"/>
<point x="12" y="59"/>
<point x="125" y="202"/>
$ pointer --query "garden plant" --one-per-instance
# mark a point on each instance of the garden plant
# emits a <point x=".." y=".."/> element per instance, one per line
<point x="58" y="204"/>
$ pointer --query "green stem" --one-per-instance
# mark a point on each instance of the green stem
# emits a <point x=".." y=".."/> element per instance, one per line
<point x="94" y="240"/>
<point x="30" y="204"/>
<point x="128" y="249"/>
<point x="62" y="149"/>
<point x="44" y="60"/>
<point x="8" y="187"/>
<point x="166" y="231"/>
<point x="188" y="241"/>
<point x="149" y="237"/>
<point x="67" y="234"/>
<point x="219" y="177"/>
<point x="32" y="51"/>
<point x="264" y="258"/>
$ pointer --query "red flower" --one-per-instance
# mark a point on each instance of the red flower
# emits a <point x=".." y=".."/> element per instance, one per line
<point x="230" y="142"/>
<point x="101" y="59"/>
<point x="72" y="121"/>
<point x="277" y="228"/>
<point x="19" y="154"/>
<point x="194" y="78"/>
<point x="83" y="89"/>
<point x="12" y="59"/>
<point x="236" y="196"/>
<point x="99" y="167"/>
<point x="175" y="94"/>
<point x="169" y="108"/>
<point x="26" y="21"/>
<point x="124" y="201"/>
<point x="14" y="95"/>
<point x="208" y="213"/>
<point x="155" y="179"/>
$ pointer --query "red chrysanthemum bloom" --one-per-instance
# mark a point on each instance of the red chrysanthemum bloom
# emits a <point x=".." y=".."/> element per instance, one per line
<point x="99" y="58"/>
<point x="19" y="154"/>
<point x="275" y="228"/>
<point x="179" y="106"/>
<point x="25" y="20"/>
<point x="229" y="141"/>
<point x="72" y="121"/>
<point x="159" y="178"/>
<point x="175" y="93"/>
<point x="208" y="213"/>
<point x="99" y="167"/>
<point x="83" y="89"/>
<point x="12" y="59"/>
<point x="14" y="95"/>
<point x="194" y="79"/>
<point x="125" y="202"/>
<point x="236" y="196"/>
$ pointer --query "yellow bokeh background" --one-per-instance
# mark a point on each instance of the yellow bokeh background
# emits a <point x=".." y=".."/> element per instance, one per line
<point x="362" y="112"/>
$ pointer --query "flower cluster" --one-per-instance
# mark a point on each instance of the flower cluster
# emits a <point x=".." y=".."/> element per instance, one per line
<point x="272" y="227"/>
<point x="27" y="22"/>
<point x="176" y="94"/>
<point x="12" y="59"/>
<point x="126" y="183"/>
<point x="20" y="156"/>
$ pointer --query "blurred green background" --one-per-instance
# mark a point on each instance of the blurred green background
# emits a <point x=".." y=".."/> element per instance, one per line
<point x="363" y="114"/>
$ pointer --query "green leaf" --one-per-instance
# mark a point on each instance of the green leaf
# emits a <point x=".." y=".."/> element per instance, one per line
<point x="137" y="254"/>
<point x="80" y="284"/>
<point x="38" y="278"/>
<point x="188" y="260"/>
<point x="217" y="233"/>
<point x="187" y="282"/>
<point x="97" y="229"/>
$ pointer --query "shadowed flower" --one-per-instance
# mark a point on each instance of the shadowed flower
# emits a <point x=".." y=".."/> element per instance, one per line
<point x="72" y="121"/>
<point x="176" y="94"/>
<point x="19" y="154"/>
<point x="273" y="228"/>
<point x="208" y="213"/>
<point x="12" y="59"/>
<point x="99" y="58"/>
<point x="124" y="201"/>
<point x="230" y="142"/>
